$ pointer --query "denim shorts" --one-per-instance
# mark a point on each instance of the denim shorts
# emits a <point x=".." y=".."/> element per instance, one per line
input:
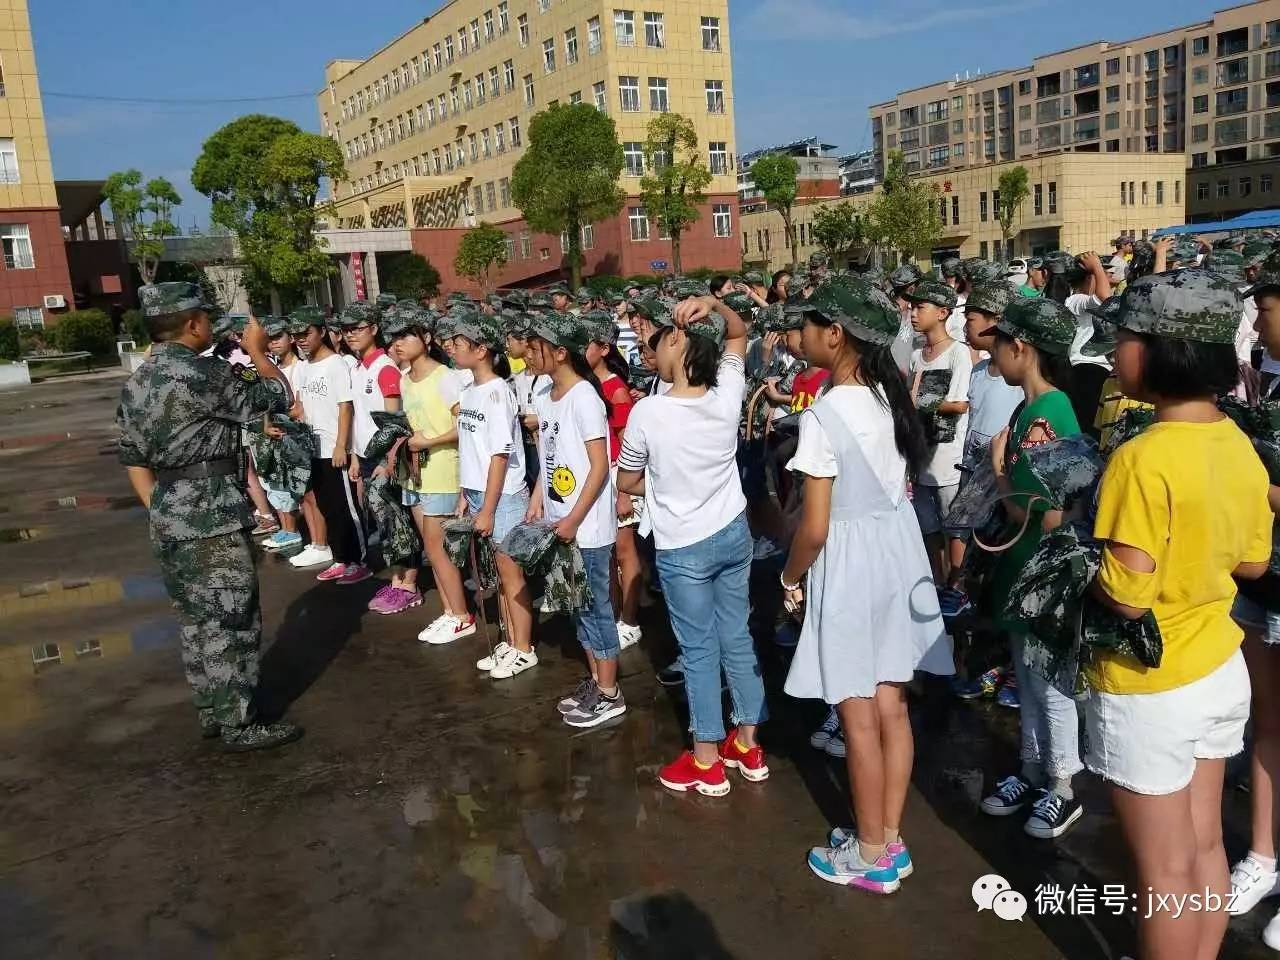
<point x="432" y="504"/>
<point x="1253" y="616"/>
<point x="932" y="505"/>
<point x="512" y="508"/>
<point x="281" y="500"/>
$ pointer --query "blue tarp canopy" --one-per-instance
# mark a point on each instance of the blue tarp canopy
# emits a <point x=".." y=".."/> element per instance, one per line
<point x="1253" y="220"/>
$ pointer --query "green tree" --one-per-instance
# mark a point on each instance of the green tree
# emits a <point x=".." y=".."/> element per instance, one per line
<point x="675" y="178"/>
<point x="774" y="175"/>
<point x="1013" y="194"/>
<point x="568" y="176"/>
<point x="481" y="251"/>
<point x="410" y="276"/>
<point x="144" y="213"/>
<point x="89" y="330"/>
<point x="905" y="215"/>
<point x="263" y="175"/>
<point x="837" y="229"/>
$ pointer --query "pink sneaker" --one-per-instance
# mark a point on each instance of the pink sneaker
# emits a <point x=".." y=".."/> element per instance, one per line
<point x="356" y="572"/>
<point x="333" y="572"/>
<point x="400" y="600"/>
<point x="381" y="597"/>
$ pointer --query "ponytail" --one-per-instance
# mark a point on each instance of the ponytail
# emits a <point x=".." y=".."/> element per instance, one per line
<point x="583" y="369"/>
<point x="617" y="366"/>
<point x="501" y="366"/>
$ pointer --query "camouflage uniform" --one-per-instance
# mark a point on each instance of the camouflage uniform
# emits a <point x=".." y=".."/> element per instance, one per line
<point x="539" y="552"/>
<point x="181" y="413"/>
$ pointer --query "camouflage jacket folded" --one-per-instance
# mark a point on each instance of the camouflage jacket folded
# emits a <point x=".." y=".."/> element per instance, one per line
<point x="459" y="539"/>
<point x="399" y="536"/>
<point x="389" y="443"/>
<point x="640" y="377"/>
<point x="283" y="464"/>
<point x="539" y="552"/>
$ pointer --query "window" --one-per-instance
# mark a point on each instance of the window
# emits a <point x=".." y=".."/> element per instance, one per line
<point x="593" y="36"/>
<point x="722" y="220"/>
<point x="444" y="112"/>
<point x="1200" y="75"/>
<point x="1224" y="188"/>
<point x="463" y="46"/>
<point x="1159" y="192"/>
<point x="448" y="49"/>
<point x="1053" y="197"/>
<point x="957" y="127"/>
<point x="1199" y="46"/>
<point x="488" y="25"/>
<point x="549" y="56"/>
<point x="522" y="27"/>
<point x="435" y="53"/>
<point x="1171" y="56"/>
<point x="459" y="153"/>
<point x="500" y="138"/>
<point x="1123" y="195"/>
<point x="711" y="34"/>
<point x="1112" y="121"/>
<point x="32" y="317"/>
<point x="435" y="161"/>
<point x="477" y="204"/>
<point x="571" y="45"/>
<point x="1152" y="58"/>
<point x="509" y="75"/>
<point x="575" y="97"/>
<point x="16" y="240"/>
<point x="938" y="156"/>
<point x="1024" y="88"/>
<point x="638" y="218"/>
<point x="1037" y="203"/>
<point x="1246" y="186"/>
<point x="658" y="100"/>
<point x="1024" y="137"/>
<point x="629" y="92"/>
<point x="1131" y="193"/>
<point x="955" y="209"/>
<point x="514" y="123"/>
<point x="624" y="28"/>
<point x="504" y="192"/>
<point x="485" y="145"/>
<point x="1024" y="116"/>
<point x="1202" y="190"/>
<point x="504" y="23"/>
<point x="654" y="32"/>
<point x="1200" y="104"/>
<point x="601" y="97"/>
<point x="9" y="161"/>
<point x="528" y="89"/>
<point x="633" y="157"/>
<point x="473" y="142"/>
<point x="715" y="96"/>
<point x="475" y="34"/>
<point x="1113" y="66"/>
<point x="1264" y="183"/>
<point x="466" y="94"/>
<point x="1200" y="133"/>
<point x="718" y="157"/>
<point x="480" y="95"/>
<point x="491" y="196"/>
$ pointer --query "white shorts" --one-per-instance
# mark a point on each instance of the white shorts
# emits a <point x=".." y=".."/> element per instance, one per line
<point x="1149" y="742"/>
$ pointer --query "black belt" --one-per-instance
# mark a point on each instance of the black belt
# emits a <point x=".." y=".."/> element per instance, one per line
<point x="226" y="467"/>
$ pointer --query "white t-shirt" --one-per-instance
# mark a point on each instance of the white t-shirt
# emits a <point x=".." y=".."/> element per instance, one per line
<point x="328" y="383"/>
<point x="943" y="467"/>
<point x="1079" y="304"/>
<point x="487" y="427"/>
<point x="866" y="413"/>
<point x="955" y="322"/>
<point x="369" y="387"/>
<point x="688" y="448"/>
<point x="564" y="428"/>
<point x="296" y="374"/>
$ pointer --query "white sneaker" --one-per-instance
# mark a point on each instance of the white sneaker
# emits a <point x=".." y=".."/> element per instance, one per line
<point x="1271" y="933"/>
<point x="435" y="626"/>
<point x="1251" y="883"/>
<point x="456" y="628"/>
<point x="312" y="556"/>
<point x="628" y="635"/>
<point x="513" y="662"/>
<point x="491" y="661"/>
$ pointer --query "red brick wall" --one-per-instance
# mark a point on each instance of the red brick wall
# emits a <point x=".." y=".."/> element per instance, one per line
<point x="816" y="189"/>
<point x="28" y="288"/>
<point x="614" y="251"/>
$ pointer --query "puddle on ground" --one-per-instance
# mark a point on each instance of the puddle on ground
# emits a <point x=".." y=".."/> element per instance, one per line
<point x="19" y="534"/>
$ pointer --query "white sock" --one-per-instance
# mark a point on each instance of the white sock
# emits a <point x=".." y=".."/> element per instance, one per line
<point x="1267" y="863"/>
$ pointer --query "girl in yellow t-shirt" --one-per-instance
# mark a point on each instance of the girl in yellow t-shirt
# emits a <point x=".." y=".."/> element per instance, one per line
<point x="430" y="393"/>
<point x="1181" y="509"/>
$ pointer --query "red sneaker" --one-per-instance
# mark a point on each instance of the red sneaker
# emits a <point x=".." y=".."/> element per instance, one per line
<point x="749" y="763"/>
<point x="683" y="774"/>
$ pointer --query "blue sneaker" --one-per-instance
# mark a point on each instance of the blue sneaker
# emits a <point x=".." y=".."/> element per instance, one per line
<point x="898" y="852"/>
<point x="984" y="686"/>
<point x="282" y="540"/>
<point x="844" y="865"/>
<point x="953" y="602"/>
<point x="1008" y="695"/>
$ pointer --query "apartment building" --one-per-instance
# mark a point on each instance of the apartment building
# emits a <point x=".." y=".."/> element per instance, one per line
<point x="432" y="125"/>
<point x="34" y="280"/>
<point x="818" y="172"/>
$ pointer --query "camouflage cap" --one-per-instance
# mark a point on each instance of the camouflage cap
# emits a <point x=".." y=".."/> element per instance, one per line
<point x="239" y="321"/>
<point x="1226" y="262"/>
<point x="516" y="299"/>
<point x="396" y="322"/>
<point x="990" y="298"/>
<point x="657" y="310"/>
<point x="480" y="328"/>
<point x="875" y="276"/>
<point x="274" y="326"/>
<point x="754" y="277"/>
<point x="333" y="322"/>
<point x="1035" y="263"/>
<point x="357" y="312"/>
<point x="584" y="295"/>
<point x="793" y="311"/>
<point x="863" y="310"/>
<point x="600" y="326"/>
<point x="1058" y="262"/>
<point x="902" y="276"/>
<point x="819" y="261"/>
<point x="950" y="267"/>
<point x="540" y="302"/>
<point x="562" y="330"/>
<point x="1102" y="343"/>
<point x="1184" y="252"/>
<point x="163" y="299"/>
<point x="405" y="303"/>
<point x="774" y="317"/>
<point x="978" y="271"/>
<point x="1255" y="252"/>
<point x="684" y="288"/>
<point x="1188" y="304"/>
<point x="221" y="326"/>
<point x="560" y="288"/>
<point x="1039" y="321"/>
<point x="1268" y="276"/>
<point x="308" y="315"/>
<point x="740" y="304"/>
<point x="935" y="292"/>
<point x="458" y="296"/>
<point x="799" y="280"/>
<point x="384" y="300"/>
<point x="297" y="326"/>
<point x="516" y="323"/>
<point x="446" y="327"/>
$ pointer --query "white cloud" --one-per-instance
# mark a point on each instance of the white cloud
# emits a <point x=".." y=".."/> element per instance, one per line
<point x="822" y="20"/>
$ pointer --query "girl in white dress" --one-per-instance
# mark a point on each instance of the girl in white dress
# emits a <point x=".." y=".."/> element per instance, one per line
<point x="871" y="617"/>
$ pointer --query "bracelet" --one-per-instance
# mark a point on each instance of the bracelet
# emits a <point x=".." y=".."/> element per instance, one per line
<point x="782" y="578"/>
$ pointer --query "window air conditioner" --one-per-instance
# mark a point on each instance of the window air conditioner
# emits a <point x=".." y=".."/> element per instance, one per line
<point x="54" y="301"/>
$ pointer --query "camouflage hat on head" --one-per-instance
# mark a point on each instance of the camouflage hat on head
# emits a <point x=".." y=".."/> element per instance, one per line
<point x="990" y="298"/>
<point x="685" y="288"/>
<point x="584" y="295"/>
<point x="600" y="326"/>
<point x="864" y="311"/>
<point x="1268" y="278"/>
<point x="903" y="276"/>
<point x="935" y="292"/>
<point x="480" y="328"/>
<point x="1039" y="321"/>
<point x="978" y="271"/>
<point x="819" y="261"/>
<point x="799" y="280"/>
<point x="540" y="302"/>
<point x="239" y="321"/>
<point x="515" y="299"/>
<point x="875" y="276"/>
<point x="1102" y="343"/>
<point x="560" y="288"/>
<point x="445" y="328"/>
<point x="358" y="312"/>
<point x="1255" y="251"/>
<point x="384" y="300"/>
<point x="754" y="277"/>
<point x="562" y="330"/>
<point x="222" y="326"/>
<point x="1226" y="262"/>
<point x="1188" y="304"/>
<point x="296" y="325"/>
<point x="163" y="299"/>
<point x="657" y="310"/>
<point x="396" y="322"/>
<point x="274" y="326"/>
<point x="740" y="304"/>
<point x="307" y="315"/>
<point x="516" y="323"/>
<point x="1184" y="252"/>
<point x="950" y="267"/>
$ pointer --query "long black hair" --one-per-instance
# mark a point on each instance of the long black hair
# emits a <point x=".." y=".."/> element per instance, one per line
<point x="1058" y="287"/>
<point x="583" y="369"/>
<point x="617" y="366"/>
<point x="1054" y="367"/>
<point x="701" y="357"/>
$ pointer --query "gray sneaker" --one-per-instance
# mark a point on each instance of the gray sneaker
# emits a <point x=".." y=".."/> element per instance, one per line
<point x="209" y="727"/>
<point x="595" y="708"/>
<point x="570" y="703"/>
<point x="259" y="736"/>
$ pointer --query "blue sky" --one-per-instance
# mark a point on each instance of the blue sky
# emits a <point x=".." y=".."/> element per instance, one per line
<point x="801" y="67"/>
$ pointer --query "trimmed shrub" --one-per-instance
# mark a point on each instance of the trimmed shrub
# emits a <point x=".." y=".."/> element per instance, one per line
<point x="9" y="347"/>
<point x="89" y="330"/>
<point x="133" y="324"/>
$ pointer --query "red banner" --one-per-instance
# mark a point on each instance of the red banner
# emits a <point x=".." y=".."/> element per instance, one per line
<point x="357" y="274"/>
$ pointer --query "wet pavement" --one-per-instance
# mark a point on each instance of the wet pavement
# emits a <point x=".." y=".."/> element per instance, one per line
<point x="429" y="811"/>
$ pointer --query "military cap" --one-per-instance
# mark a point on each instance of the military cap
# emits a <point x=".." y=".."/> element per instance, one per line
<point x="874" y="275"/>
<point x="1268" y="276"/>
<point x="1121" y="240"/>
<point x="1039" y="321"/>
<point x="657" y="310"/>
<point x="334" y="322"/>
<point x="384" y="300"/>
<point x="516" y="323"/>
<point x="799" y="280"/>
<point x="1102" y="343"/>
<point x="978" y="271"/>
<point x="863" y="310"/>
<point x="773" y="318"/>
<point x="1184" y="252"/>
<point x="540" y="301"/>
<point x="819" y="261"/>
<point x="406" y="303"/>
<point x="396" y="322"/>
<point x="562" y="330"/>
<point x="494" y="301"/>
<point x="793" y="311"/>
<point x="935" y="292"/>
<point x="516" y="299"/>
<point x="950" y="267"/>
<point x="600" y="326"/>
<point x="584" y="295"/>
<point x="616" y="297"/>
<point x="740" y="304"/>
<point x="903" y="276"/>
<point x="1035" y="263"/>
<point x="480" y="328"/>
<point x="684" y="288"/>
<point x="754" y="277"/>
<point x="163" y="299"/>
<point x="222" y="326"/>
<point x="308" y="315"/>
<point x="1255" y="251"/>
<point x="458" y="296"/>
<point x="296" y="325"/>
<point x="1058" y="262"/>
<point x="1226" y="262"/>
<point x="446" y="327"/>
<point x="990" y="298"/>
<point x="274" y="326"/>
<point x="560" y="288"/>
<point x="357" y="312"/>
<point x="1188" y="304"/>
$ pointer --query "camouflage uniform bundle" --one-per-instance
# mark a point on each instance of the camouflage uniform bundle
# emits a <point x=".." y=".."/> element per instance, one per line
<point x="938" y="427"/>
<point x="283" y="464"/>
<point x="539" y="552"/>
<point x="400" y="541"/>
<point x="393" y="426"/>
<point x="1260" y="422"/>
<point x="459" y="538"/>
<point x="640" y="377"/>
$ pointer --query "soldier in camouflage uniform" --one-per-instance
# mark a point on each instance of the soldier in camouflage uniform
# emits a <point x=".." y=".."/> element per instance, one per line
<point x="179" y="418"/>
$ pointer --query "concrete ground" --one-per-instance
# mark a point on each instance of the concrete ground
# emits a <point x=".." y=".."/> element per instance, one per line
<point x="429" y="811"/>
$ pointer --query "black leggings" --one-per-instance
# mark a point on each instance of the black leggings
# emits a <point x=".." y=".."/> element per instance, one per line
<point x="336" y="498"/>
<point x="1085" y="392"/>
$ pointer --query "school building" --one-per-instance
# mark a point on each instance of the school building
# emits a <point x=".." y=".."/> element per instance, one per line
<point x="432" y="124"/>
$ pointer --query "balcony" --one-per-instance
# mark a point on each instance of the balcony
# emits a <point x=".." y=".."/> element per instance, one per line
<point x="1086" y="130"/>
<point x="1049" y="85"/>
<point x="1229" y="104"/>
<point x="1271" y="126"/>
<point x="1086" y="102"/>
<point x="1232" y="43"/>
<point x="1233" y="72"/>
<point x="1228" y="132"/>
<point x="1086" y="77"/>
<point x="1273" y="95"/>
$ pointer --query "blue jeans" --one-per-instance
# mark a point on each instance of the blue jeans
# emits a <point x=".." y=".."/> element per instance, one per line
<point x="705" y="586"/>
<point x="597" y="630"/>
